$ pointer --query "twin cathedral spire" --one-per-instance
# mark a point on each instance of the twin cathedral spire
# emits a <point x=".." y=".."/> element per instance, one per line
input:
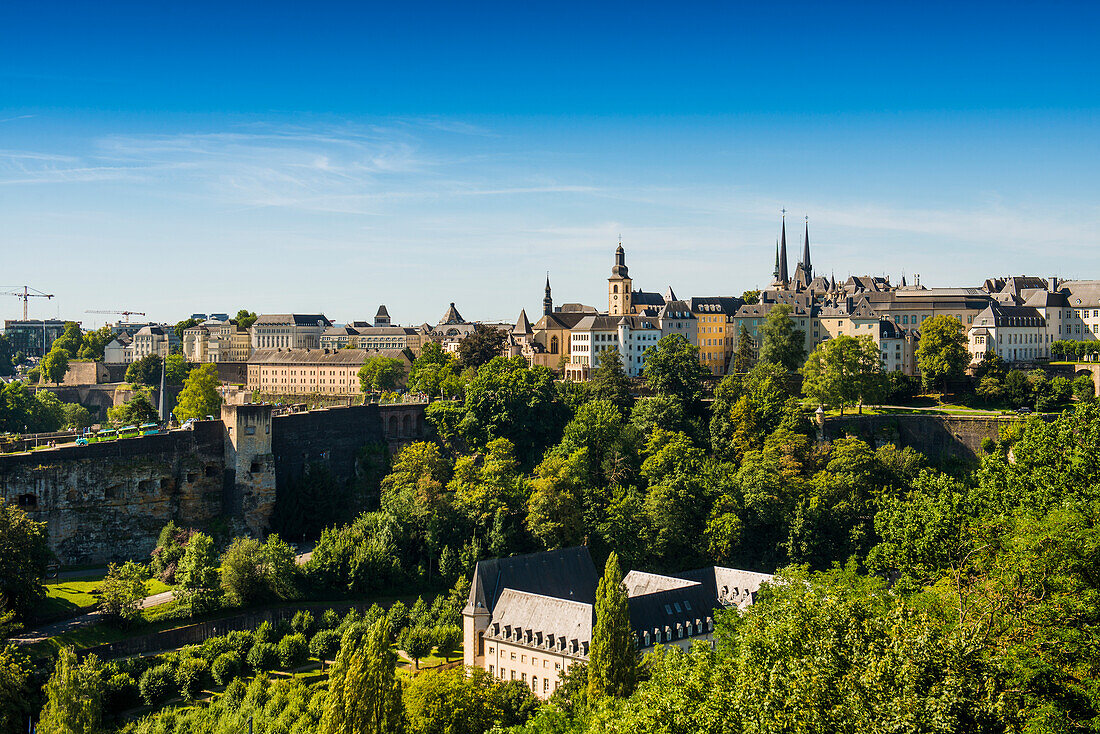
<point x="803" y="272"/>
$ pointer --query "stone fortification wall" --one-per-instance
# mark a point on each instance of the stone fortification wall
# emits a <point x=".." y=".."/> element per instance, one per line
<point x="332" y="437"/>
<point x="938" y="437"/>
<point x="108" y="501"/>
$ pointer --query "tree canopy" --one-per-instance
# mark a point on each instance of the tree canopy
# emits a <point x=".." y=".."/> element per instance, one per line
<point x="199" y="397"/>
<point x="942" y="352"/>
<point x="481" y="346"/>
<point x="381" y="373"/>
<point x="844" y="371"/>
<point x="781" y="342"/>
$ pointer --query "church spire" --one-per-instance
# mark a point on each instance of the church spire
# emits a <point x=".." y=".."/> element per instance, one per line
<point x="775" y="271"/>
<point x="783" y="279"/>
<point x="806" y="249"/>
<point x="547" y="300"/>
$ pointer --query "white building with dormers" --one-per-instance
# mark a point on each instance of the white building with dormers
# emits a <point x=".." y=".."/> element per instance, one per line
<point x="529" y="618"/>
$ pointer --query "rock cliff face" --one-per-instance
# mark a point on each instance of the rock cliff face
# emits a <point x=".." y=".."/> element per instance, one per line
<point x="107" y="502"/>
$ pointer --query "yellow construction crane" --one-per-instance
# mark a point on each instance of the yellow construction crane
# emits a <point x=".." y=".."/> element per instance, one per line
<point x="125" y="314"/>
<point x="26" y="294"/>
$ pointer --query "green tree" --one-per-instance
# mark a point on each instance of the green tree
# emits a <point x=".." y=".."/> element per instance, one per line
<point x="751" y="297"/>
<point x="381" y="374"/>
<point x="453" y="702"/>
<point x="942" y="353"/>
<point x="417" y="643"/>
<point x="76" y="416"/>
<point x="70" y="340"/>
<point x="198" y="575"/>
<point x="183" y="326"/>
<point x="15" y="688"/>
<point x="199" y="397"/>
<point x="245" y="318"/>
<point x="612" y="661"/>
<point x="844" y="371"/>
<point x="242" y="576"/>
<point x="780" y="342"/>
<point x="122" y="591"/>
<point x="447" y="639"/>
<point x="95" y="342"/>
<point x="135" y="411"/>
<point x="609" y="381"/>
<point x="74" y="695"/>
<point x="175" y="369"/>
<point x="55" y="365"/>
<point x="364" y="693"/>
<point x="480" y="346"/>
<point x="25" y="553"/>
<point x="745" y="355"/>
<point x="144" y="371"/>
<point x="672" y="368"/>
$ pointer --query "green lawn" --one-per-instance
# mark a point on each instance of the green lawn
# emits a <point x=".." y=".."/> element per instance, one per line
<point x="68" y="595"/>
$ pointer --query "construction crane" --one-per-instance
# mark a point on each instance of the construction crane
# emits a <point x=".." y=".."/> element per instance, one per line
<point x="125" y="314"/>
<point x="26" y="294"/>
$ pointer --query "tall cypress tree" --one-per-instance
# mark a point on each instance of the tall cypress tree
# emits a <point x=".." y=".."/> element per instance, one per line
<point x="743" y="357"/>
<point x="609" y="381"/>
<point x="612" y="660"/>
<point x="364" y="694"/>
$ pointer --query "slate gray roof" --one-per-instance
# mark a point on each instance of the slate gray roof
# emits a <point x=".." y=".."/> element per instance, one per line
<point x="292" y="319"/>
<point x="639" y="583"/>
<point x="452" y="316"/>
<point x="541" y="616"/>
<point x="730" y="586"/>
<point x="566" y="573"/>
<point x="716" y="304"/>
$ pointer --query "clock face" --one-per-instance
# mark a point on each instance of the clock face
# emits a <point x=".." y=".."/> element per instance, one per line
<point x="616" y="297"/>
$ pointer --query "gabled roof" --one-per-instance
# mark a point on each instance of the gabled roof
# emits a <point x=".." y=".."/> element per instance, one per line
<point x="562" y="618"/>
<point x="639" y="583"/>
<point x="567" y="573"/>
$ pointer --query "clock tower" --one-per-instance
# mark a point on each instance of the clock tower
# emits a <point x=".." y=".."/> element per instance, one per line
<point x="618" y="286"/>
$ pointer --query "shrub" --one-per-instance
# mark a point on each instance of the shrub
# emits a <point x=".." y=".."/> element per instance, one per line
<point x="241" y="641"/>
<point x="264" y="633"/>
<point x="190" y="677"/>
<point x="227" y="667"/>
<point x="214" y="647"/>
<point x="302" y="623"/>
<point x="234" y="693"/>
<point x="121" y="692"/>
<point x="324" y="644"/>
<point x="293" y="651"/>
<point x="330" y="620"/>
<point x="156" y="683"/>
<point x="988" y="445"/>
<point x="263" y="656"/>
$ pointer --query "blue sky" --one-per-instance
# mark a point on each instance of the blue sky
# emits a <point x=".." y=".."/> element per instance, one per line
<point x="172" y="157"/>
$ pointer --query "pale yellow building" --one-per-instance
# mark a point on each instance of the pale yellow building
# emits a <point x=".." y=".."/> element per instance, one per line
<point x="311" y="371"/>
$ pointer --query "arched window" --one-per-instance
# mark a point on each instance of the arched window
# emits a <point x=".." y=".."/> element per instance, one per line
<point x="614" y="289"/>
<point x="553" y="345"/>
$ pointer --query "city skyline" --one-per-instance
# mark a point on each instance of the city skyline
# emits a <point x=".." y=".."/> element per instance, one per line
<point x="418" y="157"/>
